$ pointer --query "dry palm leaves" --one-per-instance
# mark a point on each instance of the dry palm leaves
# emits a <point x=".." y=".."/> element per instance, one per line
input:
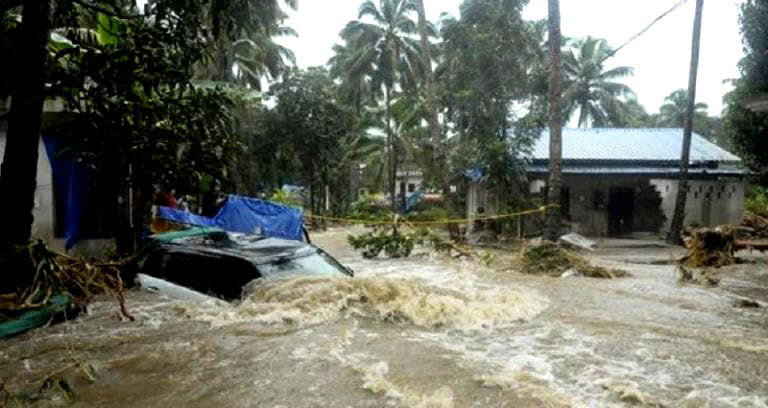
<point x="550" y="260"/>
<point x="56" y="273"/>
<point x="754" y="226"/>
<point x="709" y="248"/>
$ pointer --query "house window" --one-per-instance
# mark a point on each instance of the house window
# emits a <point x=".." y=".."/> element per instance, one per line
<point x="719" y="195"/>
<point x="695" y="195"/>
<point x="411" y="187"/>
<point x="667" y="188"/>
<point x="701" y="188"/>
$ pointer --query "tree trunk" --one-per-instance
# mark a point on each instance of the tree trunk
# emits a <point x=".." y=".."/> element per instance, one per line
<point x="436" y="134"/>
<point x="392" y="151"/>
<point x="18" y="176"/>
<point x="555" y="124"/>
<point x="676" y="226"/>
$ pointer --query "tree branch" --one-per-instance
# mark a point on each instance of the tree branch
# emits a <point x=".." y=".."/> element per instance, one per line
<point x="6" y="5"/>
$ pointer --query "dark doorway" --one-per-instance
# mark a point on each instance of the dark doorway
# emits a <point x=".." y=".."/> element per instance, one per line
<point x="621" y="209"/>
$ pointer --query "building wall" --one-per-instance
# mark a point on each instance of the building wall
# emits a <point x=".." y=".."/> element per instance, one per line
<point x="43" y="227"/>
<point x="590" y="203"/>
<point x="408" y="178"/>
<point x="709" y="202"/>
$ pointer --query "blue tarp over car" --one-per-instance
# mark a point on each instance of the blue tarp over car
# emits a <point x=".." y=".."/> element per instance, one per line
<point x="245" y="215"/>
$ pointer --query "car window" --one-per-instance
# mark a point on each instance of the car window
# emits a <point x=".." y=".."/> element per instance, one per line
<point x="316" y="263"/>
<point x="221" y="276"/>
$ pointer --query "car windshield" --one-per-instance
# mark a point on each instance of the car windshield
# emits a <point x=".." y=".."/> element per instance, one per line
<point x="316" y="263"/>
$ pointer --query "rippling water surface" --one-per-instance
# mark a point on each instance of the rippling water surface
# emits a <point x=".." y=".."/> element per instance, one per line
<point x="419" y="332"/>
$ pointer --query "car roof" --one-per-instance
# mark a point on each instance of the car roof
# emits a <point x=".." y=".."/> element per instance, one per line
<point x="254" y="248"/>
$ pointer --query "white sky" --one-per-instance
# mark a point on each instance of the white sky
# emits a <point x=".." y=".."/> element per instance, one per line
<point x="661" y="57"/>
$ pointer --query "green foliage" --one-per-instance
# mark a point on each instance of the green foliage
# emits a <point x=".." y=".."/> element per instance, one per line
<point x="757" y="201"/>
<point x="313" y="130"/>
<point x="491" y="61"/>
<point x="370" y="209"/>
<point x="394" y="244"/>
<point x="283" y="197"/>
<point x="428" y="214"/>
<point x="745" y="129"/>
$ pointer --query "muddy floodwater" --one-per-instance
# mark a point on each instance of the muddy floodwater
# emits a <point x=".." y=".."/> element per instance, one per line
<point x="418" y="332"/>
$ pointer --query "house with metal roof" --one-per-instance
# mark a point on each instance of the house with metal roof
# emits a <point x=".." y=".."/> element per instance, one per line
<point x="618" y="181"/>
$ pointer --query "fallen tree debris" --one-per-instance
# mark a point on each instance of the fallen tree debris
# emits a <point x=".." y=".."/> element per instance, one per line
<point x="703" y="277"/>
<point x="746" y="303"/>
<point x="709" y="247"/>
<point x="550" y="260"/>
<point x="56" y="279"/>
<point x="577" y="241"/>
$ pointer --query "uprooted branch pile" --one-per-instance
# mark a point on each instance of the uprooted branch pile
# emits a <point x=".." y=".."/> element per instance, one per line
<point x="53" y="273"/>
<point x="550" y="260"/>
<point x="709" y="248"/>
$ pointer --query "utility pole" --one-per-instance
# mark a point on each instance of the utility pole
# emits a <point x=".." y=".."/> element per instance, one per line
<point x="676" y="226"/>
<point x="555" y="124"/>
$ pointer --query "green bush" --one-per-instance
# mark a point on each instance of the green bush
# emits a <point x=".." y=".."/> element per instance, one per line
<point x="368" y="208"/>
<point x="394" y="245"/>
<point x="429" y="214"/>
<point x="282" y="197"/>
<point x="757" y="201"/>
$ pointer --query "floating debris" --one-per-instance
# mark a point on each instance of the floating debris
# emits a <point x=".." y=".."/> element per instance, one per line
<point x="709" y="248"/>
<point x="550" y="260"/>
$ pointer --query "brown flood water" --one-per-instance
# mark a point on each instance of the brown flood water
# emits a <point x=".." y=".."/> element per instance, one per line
<point x="419" y="332"/>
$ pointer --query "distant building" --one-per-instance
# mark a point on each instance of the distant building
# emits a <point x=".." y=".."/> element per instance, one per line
<point x="617" y="181"/>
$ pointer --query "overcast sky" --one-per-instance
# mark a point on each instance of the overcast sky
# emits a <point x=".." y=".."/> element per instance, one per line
<point x="660" y="57"/>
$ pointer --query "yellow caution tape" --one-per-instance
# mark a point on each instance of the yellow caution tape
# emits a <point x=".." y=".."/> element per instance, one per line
<point x="438" y="222"/>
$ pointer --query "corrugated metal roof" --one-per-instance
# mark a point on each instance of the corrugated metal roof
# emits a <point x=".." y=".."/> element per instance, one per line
<point x="630" y="145"/>
<point x="724" y="171"/>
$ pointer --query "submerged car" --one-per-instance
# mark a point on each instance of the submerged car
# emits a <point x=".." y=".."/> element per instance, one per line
<point x="220" y="264"/>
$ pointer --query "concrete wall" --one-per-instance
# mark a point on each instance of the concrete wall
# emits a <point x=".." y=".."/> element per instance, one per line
<point x="44" y="211"/>
<point x="709" y="202"/>
<point x="590" y="201"/>
<point x="407" y="178"/>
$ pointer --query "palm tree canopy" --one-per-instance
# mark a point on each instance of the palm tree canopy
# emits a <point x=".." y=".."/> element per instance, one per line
<point x="588" y="87"/>
<point x="672" y="113"/>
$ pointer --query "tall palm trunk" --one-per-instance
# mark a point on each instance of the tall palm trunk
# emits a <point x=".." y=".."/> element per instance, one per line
<point x="555" y="123"/>
<point x="18" y="176"/>
<point x="436" y="133"/>
<point x="392" y="150"/>
<point x="676" y="226"/>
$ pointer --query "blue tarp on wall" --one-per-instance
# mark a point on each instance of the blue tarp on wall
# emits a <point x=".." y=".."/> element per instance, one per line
<point x="72" y="182"/>
<point x="246" y="215"/>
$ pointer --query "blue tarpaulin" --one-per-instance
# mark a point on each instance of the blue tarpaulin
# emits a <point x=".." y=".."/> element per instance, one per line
<point x="72" y="181"/>
<point x="245" y="215"/>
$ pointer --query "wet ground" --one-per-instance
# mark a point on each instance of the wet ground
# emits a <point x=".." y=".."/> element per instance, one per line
<point x="418" y="332"/>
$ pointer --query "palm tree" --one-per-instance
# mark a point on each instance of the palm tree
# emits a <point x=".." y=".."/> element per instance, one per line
<point x="354" y="68"/>
<point x="588" y="87"/>
<point x="674" y="235"/>
<point x="555" y="121"/>
<point x="243" y="36"/>
<point x="672" y="113"/>
<point x="387" y="47"/>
